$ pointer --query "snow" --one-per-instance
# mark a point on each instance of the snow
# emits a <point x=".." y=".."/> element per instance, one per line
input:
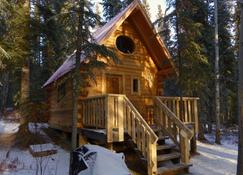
<point x="27" y="165"/>
<point x="213" y="159"/>
<point x="7" y="127"/>
<point x="105" y="162"/>
<point x="216" y="159"/>
<point x="42" y="147"/>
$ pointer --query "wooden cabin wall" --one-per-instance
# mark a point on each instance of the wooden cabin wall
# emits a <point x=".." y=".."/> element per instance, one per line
<point x="139" y="65"/>
<point x="60" y="111"/>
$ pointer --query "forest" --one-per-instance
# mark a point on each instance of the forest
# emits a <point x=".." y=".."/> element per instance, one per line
<point x="36" y="36"/>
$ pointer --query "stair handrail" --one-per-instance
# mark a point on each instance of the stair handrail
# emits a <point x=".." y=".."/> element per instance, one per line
<point x="187" y="109"/>
<point x="141" y="119"/>
<point x="120" y="109"/>
<point x="185" y="134"/>
<point x="149" y="152"/>
<point x="175" y="119"/>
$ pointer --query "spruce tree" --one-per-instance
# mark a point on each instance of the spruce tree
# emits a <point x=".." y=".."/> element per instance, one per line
<point x="111" y="8"/>
<point x="146" y="7"/>
<point x="188" y="48"/>
<point x="79" y="18"/>
<point x="240" y="95"/>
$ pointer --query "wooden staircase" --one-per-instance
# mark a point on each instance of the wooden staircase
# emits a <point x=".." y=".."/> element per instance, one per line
<point x="168" y="156"/>
<point x="164" y="146"/>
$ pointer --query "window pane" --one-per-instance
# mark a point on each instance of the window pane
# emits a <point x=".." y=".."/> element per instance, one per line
<point x="135" y="85"/>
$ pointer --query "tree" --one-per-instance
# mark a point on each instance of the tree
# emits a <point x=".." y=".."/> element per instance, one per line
<point x="14" y="18"/>
<point x="146" y="7"/>
<point x="126" y="3"/>
<point x="111" y="8"/>
<point x="189" y="46"/>
<point x="79" y="18"/>
<point x="240" y="96"/>
<point x="217" y="94"/>
<point x="228" y="64"/>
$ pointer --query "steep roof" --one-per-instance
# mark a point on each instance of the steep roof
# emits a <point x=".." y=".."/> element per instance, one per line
<point x="136" y="13"/>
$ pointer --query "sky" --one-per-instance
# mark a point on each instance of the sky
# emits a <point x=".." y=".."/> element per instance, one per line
<point x="153" y="7"/>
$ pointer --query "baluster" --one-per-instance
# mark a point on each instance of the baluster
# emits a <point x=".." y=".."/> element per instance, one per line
<point x="138" y="131"/>
<point x="196" y="116"/>
<point x="129" y="128"/>
<point x="178" y="109"/>
<point x="143" y="141"/>
<point x="133" y="127"/>
<point x="185" y="111"/>
<point x="189" y="111"/>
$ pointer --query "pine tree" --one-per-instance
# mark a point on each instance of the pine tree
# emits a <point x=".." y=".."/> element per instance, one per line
<point x="146" y="7"/>
<point x="79" y="18"/>
<point x="111" y="8"/>
<point x="126" y="3"/>
<point x="240" y="95"/>
<point x="188" y="46"/>
<point x="15" y="41"/>
<point x="228" y="65"/>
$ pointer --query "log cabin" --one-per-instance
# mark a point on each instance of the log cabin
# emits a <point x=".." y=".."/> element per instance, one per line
<point x="127" y="98"/>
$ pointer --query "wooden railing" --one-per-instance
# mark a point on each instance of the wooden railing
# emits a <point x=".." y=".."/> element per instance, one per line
<point x="186" y="110"/>
<point x="173" y="126"/>
<point x="104" y="112"/>
<point x="141" y="134"/>
<point x="117" y="115"/>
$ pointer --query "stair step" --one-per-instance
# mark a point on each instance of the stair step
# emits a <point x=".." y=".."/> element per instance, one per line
<point x="169" y="156"/>
<point x="166" y="146"/>
<point x="173" y="168"/>
<point x="163" y="137"/>
<point x="156" y="129"/>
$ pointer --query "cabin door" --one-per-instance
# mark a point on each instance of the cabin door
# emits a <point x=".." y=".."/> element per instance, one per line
<point x="114" y="84"/>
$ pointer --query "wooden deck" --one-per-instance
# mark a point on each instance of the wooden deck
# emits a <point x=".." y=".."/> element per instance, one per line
<point x="116" y="115"/>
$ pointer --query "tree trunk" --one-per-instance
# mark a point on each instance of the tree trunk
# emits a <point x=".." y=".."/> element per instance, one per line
<point x="25" y="83"/>
<point x="5" y="89"/>
<point x="217" y="90"/>
<point x="240" y="97"/>
<point x="76" y="81"/>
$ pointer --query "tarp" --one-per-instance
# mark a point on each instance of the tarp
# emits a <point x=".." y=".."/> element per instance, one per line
<point x="96" y="160"/>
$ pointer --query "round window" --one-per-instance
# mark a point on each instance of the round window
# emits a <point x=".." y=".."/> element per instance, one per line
<point x="125" y="44"/>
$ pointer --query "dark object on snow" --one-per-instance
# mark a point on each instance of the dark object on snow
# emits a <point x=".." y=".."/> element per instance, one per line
<point x="78" y="163"/>
<point x="96" y="160"/>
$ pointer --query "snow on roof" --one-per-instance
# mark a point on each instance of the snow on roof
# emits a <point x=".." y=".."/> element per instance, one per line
<point x="99" y="35"/>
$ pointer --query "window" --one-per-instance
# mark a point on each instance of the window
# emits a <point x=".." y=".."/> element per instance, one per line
<point x="61" y="91"/>
<point x="135" y="86"/>
<point x="125" y="44"/>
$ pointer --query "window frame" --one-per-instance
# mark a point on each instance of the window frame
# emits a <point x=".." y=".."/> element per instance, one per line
<point x="133" y="43"/>
<point x="138" y="85"/>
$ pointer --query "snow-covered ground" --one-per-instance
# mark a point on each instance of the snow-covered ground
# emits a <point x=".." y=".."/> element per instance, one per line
<point x="18" y="162"/>
<point x="8" y="127"/>
<point x="213" y="159"/>
<point x="216" y="159"/>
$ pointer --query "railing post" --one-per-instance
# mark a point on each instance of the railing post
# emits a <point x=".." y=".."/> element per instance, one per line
<point x="120" y="115"/>
<point x="184" y="147"/>
<point x="152" y="164"/>
<point x="195" y="115"/>
<point x="109" y="119"/>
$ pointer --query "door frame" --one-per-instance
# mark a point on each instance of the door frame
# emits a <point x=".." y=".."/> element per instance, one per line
<point x="105" y="75"/>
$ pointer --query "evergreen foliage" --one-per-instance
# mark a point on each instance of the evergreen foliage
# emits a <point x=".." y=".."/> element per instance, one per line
<point x="111" y="8"/>
<point x="146" y="7"/>
<point x="193" y="43"/>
